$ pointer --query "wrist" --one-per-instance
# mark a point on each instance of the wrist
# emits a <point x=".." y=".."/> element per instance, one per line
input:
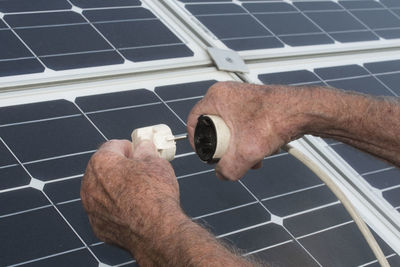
<point x="152" y="241"/>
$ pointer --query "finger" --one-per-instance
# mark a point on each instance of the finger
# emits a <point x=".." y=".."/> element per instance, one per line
<point x="231" y="167"/>
<point x="256" y="166"/>
<point x="120" y="147"/>
<point x="145" y="149"/>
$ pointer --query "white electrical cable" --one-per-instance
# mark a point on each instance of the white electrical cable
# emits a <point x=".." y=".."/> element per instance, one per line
<point x="376" y="249"/>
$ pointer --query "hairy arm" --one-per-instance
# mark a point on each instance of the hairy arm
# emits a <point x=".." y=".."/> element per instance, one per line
<point x="369" y="123"/>
<point x="263" y="118"/>
<point x="132" y="200"/>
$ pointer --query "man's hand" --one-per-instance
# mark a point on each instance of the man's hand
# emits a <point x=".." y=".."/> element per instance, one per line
<point x="261" y="119"/>
<point x="132" y="199"/>
<point x="130" y="196"/>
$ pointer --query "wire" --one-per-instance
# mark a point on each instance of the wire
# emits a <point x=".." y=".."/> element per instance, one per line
<point x="376" y="249"/>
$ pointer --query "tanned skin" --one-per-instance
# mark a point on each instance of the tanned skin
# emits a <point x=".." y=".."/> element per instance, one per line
<point x="132" y="197"/>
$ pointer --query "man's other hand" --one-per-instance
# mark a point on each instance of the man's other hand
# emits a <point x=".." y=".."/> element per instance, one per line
<point x="129" y="196"/>
<point x="261" y="119"/>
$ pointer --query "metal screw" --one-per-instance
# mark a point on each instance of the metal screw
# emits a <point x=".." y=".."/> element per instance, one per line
<point x="228" y="59"/>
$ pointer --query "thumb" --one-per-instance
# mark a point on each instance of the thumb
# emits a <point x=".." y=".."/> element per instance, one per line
<point x="144" y="149"/>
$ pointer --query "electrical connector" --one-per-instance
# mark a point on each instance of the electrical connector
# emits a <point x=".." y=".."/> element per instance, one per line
<point x="161" y="136"/>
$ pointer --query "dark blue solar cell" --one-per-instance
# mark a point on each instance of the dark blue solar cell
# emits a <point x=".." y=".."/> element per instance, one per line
<point x="119" y="124"/>
<point x="111" y="255"/>
<point x="157" y="52"/>
<point x="269" y="7"/>
<point x="215" y="9"/>
<point x="232" y="220"/>
<point x="340" y="72"/>
<point x="292" y="23"/>
<point x="363" y="4"/>
<point x="13" y="176"/>
<point x="51" y="138"/>
<point x="59" y="168"/>
<point x="137" y="33"/>
<point x="63" y="39"/>
<point x="389" y="34"/>
<point x="312" y="39"/>
<point x="360" y="161"/>
<point x="289" y="77"/>
<point x="81" y="257"/>
<point x="322" y="5"/>
<point x="82" y="60"/>
<point x="33" y="235"/>
<point x="340" y="246"/>
<point x="2" y="25"/>
<point x="63" y="190"/>
<point x="77" y="217"/>
<point x="116" y="100"/>
<point x="184" y="90"/>
<point x="393" y="197"/>
<point x="204" y="193"/>
<point x="182" y="108"/>
<point x="377" y="19"/>
<point x="11" y="47"/>
<point x="365" y="85"/>
<point x="105" y="3"/>
<point x="37" y="111"/>
<point x="6" y="158"/>
<point x="392" y="81"/>
<point x="300" y="201"/>
<point x="232" y="26"/>
<point x="383" y="66"/>
<point x="117" y="14"/>
<point x="384" y="179"/>
<point x="21" y="200"/>
<point x="28" y="5"/>
<point x="294" y="255"/>
<point x="345" y="37"/>
<point x="189" y="164"/>
<point x="331" y="21"/>
<point x="391" y="3"/>
<point x="317" y="220"/>
<point x="253" y="43"/>
<point x="255" y="238"/>
<point x="20" y="67"/>
<point x="279" y="175"/>
<point x="43" y="19"/>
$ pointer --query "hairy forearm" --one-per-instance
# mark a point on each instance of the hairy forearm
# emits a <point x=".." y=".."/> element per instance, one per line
<point x="178" y="241"/>
<point x="369" y="123"/>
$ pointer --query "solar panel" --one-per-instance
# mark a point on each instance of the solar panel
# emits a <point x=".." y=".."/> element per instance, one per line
<point x="68" y="35"/>
<point x="282" y="214"/>
<point x="281" y="209"/>
<point x="246" y="26"/>
<point x="375" y="78"/>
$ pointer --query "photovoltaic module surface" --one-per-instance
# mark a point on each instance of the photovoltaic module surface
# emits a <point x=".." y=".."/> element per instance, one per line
<point x="282" y="213"/>
<point x="249" y="25"/>
<point x="72" y="34"/>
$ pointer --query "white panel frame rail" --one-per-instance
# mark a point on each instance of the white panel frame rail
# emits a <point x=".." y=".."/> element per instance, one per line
<point x="287" y="51"/>
<point x="200" y="58"/>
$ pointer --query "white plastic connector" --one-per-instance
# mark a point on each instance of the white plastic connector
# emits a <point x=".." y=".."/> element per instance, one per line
<point x="160" y="135"/>
<point x="223" y="136"/>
